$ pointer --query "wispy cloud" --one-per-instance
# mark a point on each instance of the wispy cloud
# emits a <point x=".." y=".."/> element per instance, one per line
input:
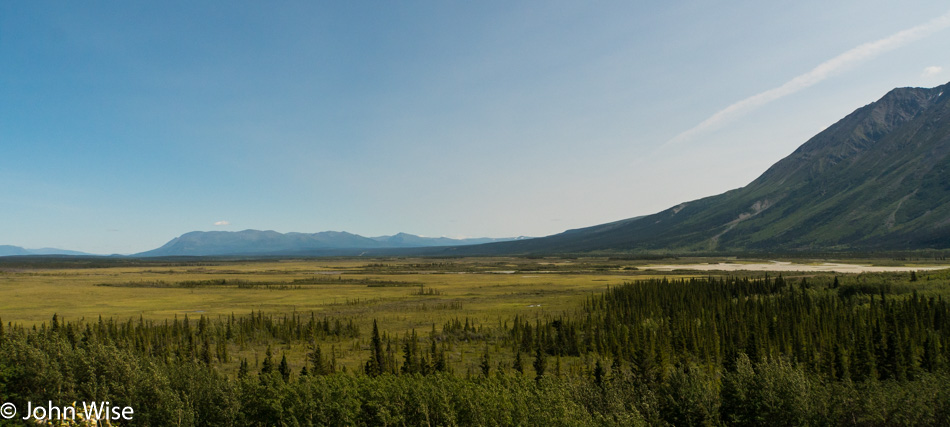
<point x="817" y="74"/>
<point x="222" y="223"/>
<point x="932" y="71"/>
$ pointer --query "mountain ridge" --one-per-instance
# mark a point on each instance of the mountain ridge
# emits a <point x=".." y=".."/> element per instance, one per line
<point x="272" y="243"/>
<point x="878" y="179"/>
<point x="10" y="250"/>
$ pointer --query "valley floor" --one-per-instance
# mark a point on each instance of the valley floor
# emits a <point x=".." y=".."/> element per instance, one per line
<point x="583" y="340"/>
<point x="786" y="266"/>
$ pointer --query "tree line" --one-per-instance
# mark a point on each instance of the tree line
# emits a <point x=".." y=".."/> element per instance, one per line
<point x="701" y="351"/>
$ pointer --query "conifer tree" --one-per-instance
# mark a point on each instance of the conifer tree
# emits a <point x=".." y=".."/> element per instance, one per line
<point x="376" y="364"/>
<point x="486" y="364"/>
<point x="599" y="374"/>
<point x="284" y="368"/>
<point x="540" y="363"/>
<point x="332" y="368"/>
<point x="411" y="362"/>
<point x="268" y="365"/>
<point x="441" y="364"/>
<point x="243" y="369"/>
<point x="318" y="366"/>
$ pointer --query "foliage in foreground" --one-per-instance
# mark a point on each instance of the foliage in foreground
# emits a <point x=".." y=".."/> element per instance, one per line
<point x="37" y="368"/>
<point x="695" y="352"/>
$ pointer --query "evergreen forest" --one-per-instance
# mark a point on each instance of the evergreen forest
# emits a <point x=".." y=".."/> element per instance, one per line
<point x="859" y="350"/>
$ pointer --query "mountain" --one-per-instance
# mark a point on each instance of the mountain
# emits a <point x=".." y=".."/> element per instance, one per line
<point x="878" y="179"/>
<point x="55" y="251"/>
<point x="254" y="242"/>
<point x="7" y="250"/>
<point x="405" y="240"/>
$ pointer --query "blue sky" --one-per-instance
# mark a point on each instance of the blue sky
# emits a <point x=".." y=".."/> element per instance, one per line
<point x="125" y="124"/>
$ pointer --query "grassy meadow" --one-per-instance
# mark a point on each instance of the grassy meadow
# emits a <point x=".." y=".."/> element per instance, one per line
<point x="630" y="341"/>
<point x="400" y="294"/>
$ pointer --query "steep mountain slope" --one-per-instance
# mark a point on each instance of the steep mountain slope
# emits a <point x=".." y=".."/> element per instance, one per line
<point x="879" y="179"/>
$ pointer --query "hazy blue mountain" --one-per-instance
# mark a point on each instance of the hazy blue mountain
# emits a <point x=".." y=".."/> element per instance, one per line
<point x="405" y="240"/>
<point x="254" y="242"/>
<point x="879" y="179"/>
<point x="55" y="251"/>
<point x="7" y="250"/>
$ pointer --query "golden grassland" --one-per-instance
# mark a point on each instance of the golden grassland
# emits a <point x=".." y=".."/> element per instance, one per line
<point x="464" y="289"/>
<point x="402" y="294"/>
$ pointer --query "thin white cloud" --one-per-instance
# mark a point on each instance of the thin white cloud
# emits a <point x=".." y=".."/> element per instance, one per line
<point x="816" y="75"/>
<point x="932" y="71"/>
<point x="222" y="223"/>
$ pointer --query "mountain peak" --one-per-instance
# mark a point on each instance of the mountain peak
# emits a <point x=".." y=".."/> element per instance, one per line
<point x="841" y="143"/>
<point x="875" y="180"/>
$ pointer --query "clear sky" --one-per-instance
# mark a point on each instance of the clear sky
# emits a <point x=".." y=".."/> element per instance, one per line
<point x="124" y="124"/>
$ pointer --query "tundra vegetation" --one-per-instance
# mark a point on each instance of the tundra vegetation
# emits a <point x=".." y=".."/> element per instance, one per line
<point x="493" y="341"/>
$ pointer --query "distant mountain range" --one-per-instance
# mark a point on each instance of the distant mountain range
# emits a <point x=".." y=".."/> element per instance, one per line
<point x="7" y="250"/>
<point x="879" y="179"/>
<point x="272" y="243"/>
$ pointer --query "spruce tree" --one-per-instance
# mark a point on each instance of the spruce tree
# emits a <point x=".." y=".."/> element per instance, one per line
<point x="540" y="363"/>
<point x="376" y="364"/>
<point x="284" y="368"/>
<point x="599" y="374"/>
<point x="441" y="364"/>
<point x="486" y="364"/>
<point x="243" y="370"/>
<point x="318" y="366"/>
<point x="268" y="365"/>
<point x="332" y="368"/>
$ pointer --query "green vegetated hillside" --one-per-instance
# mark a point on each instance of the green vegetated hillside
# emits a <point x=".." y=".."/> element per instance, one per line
<point x="879" y="179"/>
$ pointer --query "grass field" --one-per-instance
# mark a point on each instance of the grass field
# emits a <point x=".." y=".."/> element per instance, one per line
<point x="392" y="291"/>
<point x="401" y="294"/>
